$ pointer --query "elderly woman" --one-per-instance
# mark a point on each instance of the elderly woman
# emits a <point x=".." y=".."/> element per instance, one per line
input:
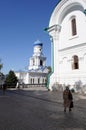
<point x="67" y="97"/>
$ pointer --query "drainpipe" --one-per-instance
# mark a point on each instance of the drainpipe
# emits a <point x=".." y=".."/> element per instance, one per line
<point x="52" y="60"/>
<point x="52" y="63"/>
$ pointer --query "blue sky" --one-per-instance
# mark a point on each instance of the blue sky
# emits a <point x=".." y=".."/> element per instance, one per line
<point x="22" y="22"/>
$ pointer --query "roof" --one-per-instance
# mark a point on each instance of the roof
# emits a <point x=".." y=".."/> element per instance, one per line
<point x="38" y="43"/>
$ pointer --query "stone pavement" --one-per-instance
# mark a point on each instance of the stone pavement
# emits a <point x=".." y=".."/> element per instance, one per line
<point x="39" y="109"/>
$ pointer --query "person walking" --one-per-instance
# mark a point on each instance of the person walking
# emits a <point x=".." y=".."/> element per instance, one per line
<point x="4" y="88"/>
<point x="68" y="99"/>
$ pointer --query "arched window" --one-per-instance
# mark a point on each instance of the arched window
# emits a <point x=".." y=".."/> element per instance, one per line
<point x="31" y="81"/>
<point x="41" y="63"/>
<point x="33" y="62"/>
<point x="38" y="80"/>
<point x="73" y="26"/>
<point x="43" y="80"/>
<point x="75" y="63"/>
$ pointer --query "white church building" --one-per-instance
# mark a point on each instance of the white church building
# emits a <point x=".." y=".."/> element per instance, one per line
<point x="67" y="30"/>
<point x="37" y="69"/>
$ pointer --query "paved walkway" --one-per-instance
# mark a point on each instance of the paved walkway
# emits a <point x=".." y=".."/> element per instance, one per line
<point x="39" y="109"/>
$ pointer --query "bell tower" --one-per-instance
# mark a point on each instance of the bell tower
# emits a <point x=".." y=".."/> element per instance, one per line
<point x="37" y="61"/>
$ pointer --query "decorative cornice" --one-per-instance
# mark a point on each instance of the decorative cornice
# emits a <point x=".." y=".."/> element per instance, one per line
<point x="66" y="48"/>
<point x="55" y="28"/>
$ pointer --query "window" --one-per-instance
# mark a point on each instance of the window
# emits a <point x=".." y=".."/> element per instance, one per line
<point x="32" y="81"/>
<point x="43" y="80"/>
<point x="38" y="80"/>
<point x="73" y="27"/>
<point x="33" y="62"/>
<point x="41" y="63"/>
<point x="75" y="63"/>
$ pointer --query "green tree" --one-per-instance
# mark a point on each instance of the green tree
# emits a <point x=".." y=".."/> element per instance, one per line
<point x="1" y="65"/>
<point x="11" y="79"/>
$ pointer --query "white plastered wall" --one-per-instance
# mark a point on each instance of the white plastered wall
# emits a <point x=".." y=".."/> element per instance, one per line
<point x="65" y="46"/>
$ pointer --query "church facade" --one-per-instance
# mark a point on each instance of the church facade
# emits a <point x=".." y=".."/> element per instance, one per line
<point x="37" y="69"/>
<point x="67" y="30"/>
